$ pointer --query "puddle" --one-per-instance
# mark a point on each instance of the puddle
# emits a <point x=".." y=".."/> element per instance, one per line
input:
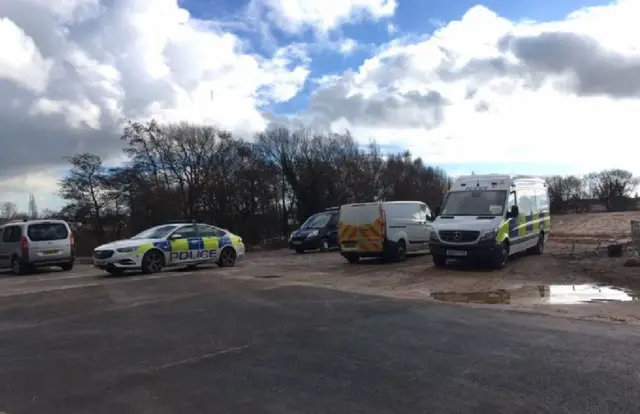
<point x="542" y="294"/>
<point x="265" y="277"/>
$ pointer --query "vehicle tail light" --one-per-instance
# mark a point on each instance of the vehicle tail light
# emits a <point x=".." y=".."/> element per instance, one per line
<point x="72" y="241"/>
<point x="383" y="216"/>
<point x="24" y="246"/>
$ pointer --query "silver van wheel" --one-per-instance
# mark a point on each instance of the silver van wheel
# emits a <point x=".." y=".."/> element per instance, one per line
<point x="15" y="266"/>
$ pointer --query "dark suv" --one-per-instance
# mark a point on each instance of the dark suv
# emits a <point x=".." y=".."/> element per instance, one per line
<point x="320" y="231"/>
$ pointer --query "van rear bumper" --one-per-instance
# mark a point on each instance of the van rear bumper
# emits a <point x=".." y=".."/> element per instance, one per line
<point x="48" y="262"/>
<point x="483" y="250"/>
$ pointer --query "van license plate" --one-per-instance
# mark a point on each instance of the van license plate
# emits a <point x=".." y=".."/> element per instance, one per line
<point x="50" y="252"/>
<point x="458" y="253"/>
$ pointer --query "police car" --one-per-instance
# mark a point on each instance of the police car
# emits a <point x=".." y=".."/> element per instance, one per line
<point x="177" y="243"/>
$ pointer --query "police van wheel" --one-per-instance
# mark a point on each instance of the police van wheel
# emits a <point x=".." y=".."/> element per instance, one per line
<point x="500" y="261"/>
<point x="439" y="260"/>
<point x="152" y="262"/>
<point x="539" y="248"/>
<point x="227" y="257"/>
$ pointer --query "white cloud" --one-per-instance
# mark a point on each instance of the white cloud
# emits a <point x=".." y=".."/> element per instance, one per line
<point x="347" y="46"/>
<point x="481" y="89"/>
<point x="72" y="71"/>
<point x="295" y="16"/>
<point x="20" y="60"/>
<point x="509" y="92"/>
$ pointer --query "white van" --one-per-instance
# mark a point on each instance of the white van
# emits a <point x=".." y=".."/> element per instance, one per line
<point x="490" y="217"/>
<point x="389" y="229"/>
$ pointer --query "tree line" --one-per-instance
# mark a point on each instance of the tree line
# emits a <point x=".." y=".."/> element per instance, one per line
<point x="614" y="190"/>
<point x="259" y="188"/>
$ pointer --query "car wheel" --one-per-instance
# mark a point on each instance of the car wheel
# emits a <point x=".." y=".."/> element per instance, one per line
<point x="227" y="257"/>
<point x="152" y="262"/>
<point x="67" y="266"/>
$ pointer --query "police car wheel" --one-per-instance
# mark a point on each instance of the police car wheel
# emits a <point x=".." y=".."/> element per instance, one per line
<point x="152" y="262"/>
<point x="227" y="257"/>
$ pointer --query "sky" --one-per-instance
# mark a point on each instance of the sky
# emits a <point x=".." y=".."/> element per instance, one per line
<point x="528" y="86"/>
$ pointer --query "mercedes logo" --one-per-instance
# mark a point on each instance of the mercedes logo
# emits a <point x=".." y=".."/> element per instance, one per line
<point x="456" y="236"/>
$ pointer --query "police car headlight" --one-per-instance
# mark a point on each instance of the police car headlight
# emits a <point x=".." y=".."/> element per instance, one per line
<point x="313" y="233"/>
<point x="127" y="249"/>
<point x="489" y="235"/>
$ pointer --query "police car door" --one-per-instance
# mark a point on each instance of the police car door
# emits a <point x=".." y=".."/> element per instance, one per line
<point x="185" y="249"/>
<point x="210" y="242"/>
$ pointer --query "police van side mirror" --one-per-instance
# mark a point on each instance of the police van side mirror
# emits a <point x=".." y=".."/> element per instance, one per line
<point x="175" y="237"/>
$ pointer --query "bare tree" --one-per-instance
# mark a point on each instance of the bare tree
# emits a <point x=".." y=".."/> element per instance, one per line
<point x="613" y="187"/>
<point x="8" y="210"/>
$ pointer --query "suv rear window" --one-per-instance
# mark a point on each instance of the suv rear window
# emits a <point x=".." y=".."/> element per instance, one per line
<point x="47" y="232"/>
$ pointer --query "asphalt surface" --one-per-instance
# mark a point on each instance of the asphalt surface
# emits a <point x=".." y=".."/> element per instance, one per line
<point x="195" y="342"/>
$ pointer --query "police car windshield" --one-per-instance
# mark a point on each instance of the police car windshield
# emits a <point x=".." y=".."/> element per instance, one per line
<point x="474" y="203"/>
<point x="158" y="232"/>
<point x="317" y="221"/>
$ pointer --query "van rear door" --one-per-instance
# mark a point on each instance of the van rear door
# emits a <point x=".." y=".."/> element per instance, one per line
<point x="361" y="228"/>
<point x="48" y="240"/>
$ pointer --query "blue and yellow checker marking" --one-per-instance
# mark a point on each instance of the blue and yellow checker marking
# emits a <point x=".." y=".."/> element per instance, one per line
<point x="192" y="243"/>
<point x="533" y="223"/>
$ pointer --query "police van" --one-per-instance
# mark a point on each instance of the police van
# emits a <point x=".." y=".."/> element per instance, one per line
<point x="490" y="217"/>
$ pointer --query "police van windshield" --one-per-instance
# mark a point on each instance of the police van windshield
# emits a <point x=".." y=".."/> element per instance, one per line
<point x="474" y="203"/>
<point x="317" y="221"/>
<point x="158" y="232"/>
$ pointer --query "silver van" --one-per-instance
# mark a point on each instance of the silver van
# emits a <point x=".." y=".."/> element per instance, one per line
<point x="25" y="245"/>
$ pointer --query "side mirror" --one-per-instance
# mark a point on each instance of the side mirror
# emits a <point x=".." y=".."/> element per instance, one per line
<point x="514" y="212"/>
<point x="176" y="236"/>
